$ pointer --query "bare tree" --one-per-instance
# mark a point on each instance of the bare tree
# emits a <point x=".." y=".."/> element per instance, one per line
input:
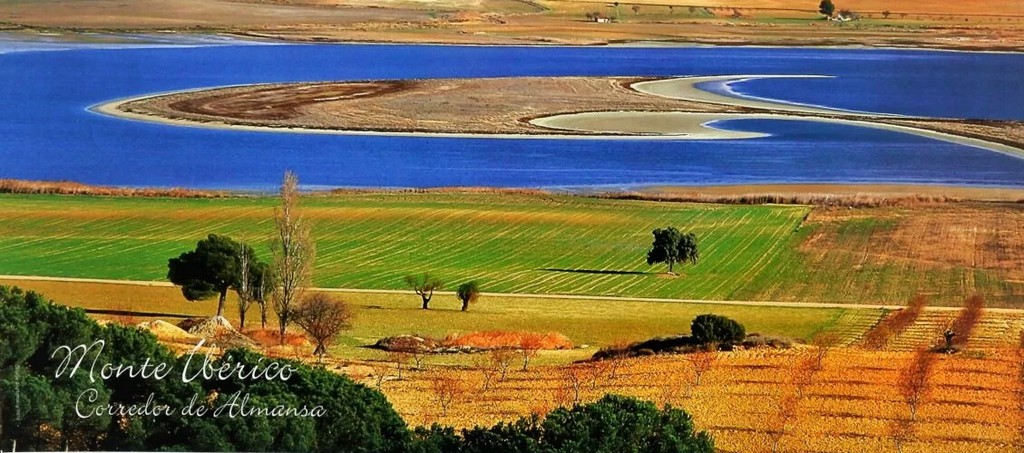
<point x="781" y="420"/>
<point x="380" y="372"/>
<point x="913" y="380"/>
<point x="264" y="287"/>
<point x="244" y="285"/>
<point x="487" y="370"/>
<point x="253" y="285"/>
<point x="424" y="285"/>
<point x="529" y="345"/>
<point x="293" y="250"/>
<point x="502" y="359"/>
<point x="597" y="369"/>
<point x="702" y="362"/>
<point x="446" y="388"/>
<point x="824" y="341"/>
<point x="417" y="358"/>
<point x="802" y="374"/>
<point x="323" y="318"/>
<point x="572" y="383"/>
<point x="668" y="388"/>
<point x="902" y="431"/>
<point x="399" y="358"/>
<point x="617" y="357"/>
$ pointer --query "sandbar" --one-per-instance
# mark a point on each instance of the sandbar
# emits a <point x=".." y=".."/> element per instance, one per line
<point x="691" y="88"/>
<point x="683" y="125"/>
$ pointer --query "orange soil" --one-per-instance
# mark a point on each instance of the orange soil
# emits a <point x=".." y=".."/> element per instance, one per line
<point x="847" y="406"/>
<point x="499" y="339"/>
<point x="279" y="102"/>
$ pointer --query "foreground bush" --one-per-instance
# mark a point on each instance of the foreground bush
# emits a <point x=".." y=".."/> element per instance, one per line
<point x="356" y="418"/>
<point x="614" y="424"/>
<point x="716" y="330"/>
<point x="37" y="411"/>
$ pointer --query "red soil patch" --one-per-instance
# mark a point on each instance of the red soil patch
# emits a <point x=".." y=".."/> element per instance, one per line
<point x="280" y="102"/>
<point x="269" y="338"/>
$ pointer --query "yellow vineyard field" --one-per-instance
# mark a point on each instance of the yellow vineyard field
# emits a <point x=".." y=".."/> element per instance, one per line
<point x="770" y="400"/>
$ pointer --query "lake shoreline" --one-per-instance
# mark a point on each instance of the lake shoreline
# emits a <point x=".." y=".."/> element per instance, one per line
<point x="114" y="37"/>
<point x="721" y="193"/>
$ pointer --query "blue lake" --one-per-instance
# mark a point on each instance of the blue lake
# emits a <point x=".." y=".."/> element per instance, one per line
<point x="48" y="133"/>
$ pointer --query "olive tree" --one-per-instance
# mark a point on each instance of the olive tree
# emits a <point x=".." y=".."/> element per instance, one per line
<point x="468" y="293"/>
<point x="424" y="286"/>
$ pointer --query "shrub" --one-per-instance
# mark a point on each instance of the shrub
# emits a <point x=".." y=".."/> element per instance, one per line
<point x="356" y="418"/>
<point x="620" y="424"/>
<point x="323" y="317"/>
<point x="612" y="424"/>
<point x="715" y="329"/>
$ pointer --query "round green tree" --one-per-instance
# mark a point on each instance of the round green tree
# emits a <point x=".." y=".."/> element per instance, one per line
<point x="670" y="246"/>
<point x="827" y="8"/>
<point x="214" y="267"/>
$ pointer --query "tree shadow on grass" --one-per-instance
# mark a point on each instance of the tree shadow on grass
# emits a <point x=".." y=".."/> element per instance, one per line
<point x="594" y="271"/>
<point x="141" y="314"/>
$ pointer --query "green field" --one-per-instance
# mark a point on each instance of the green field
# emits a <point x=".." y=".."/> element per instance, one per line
<point x="530" y="244"/>
<point x="510" y="243"/>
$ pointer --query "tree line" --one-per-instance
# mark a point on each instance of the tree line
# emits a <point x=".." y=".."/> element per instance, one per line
<point x="220" y="264"/>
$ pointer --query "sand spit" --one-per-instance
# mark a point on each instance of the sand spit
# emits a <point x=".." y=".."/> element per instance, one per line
<point x="690" y="89"/>
<point x="699" y="126"/>
<point x="678" y="125"/>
